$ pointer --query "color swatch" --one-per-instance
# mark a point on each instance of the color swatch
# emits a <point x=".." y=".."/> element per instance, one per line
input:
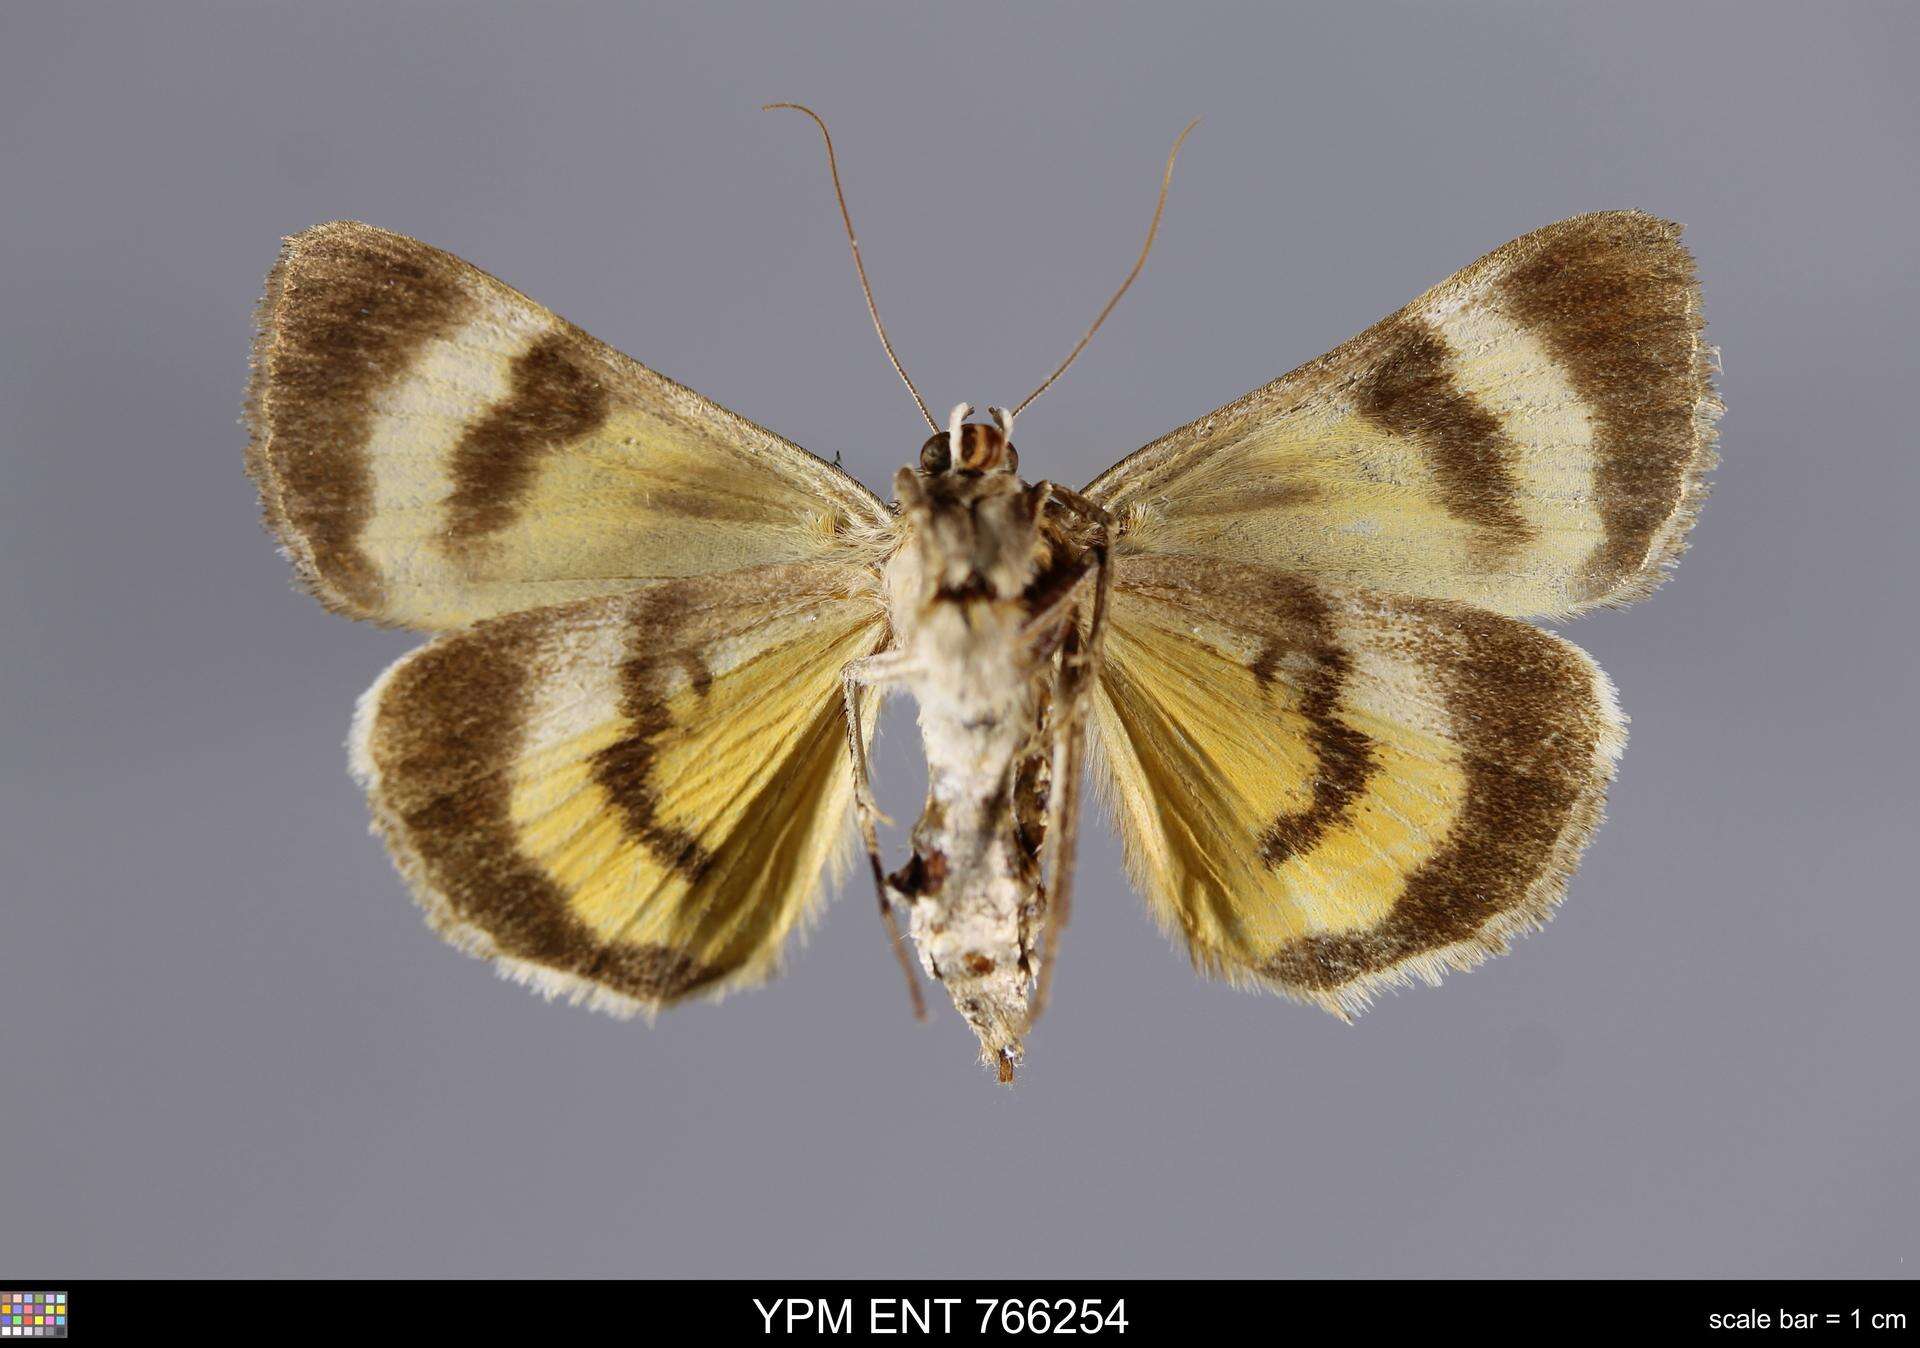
<point x="33" y="1315"/>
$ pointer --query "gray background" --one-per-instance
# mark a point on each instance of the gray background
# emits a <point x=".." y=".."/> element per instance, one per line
<point x="228" y="1044"/>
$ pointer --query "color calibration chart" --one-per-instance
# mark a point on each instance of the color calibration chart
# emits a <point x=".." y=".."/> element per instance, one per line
<point x="33" y="1315"/>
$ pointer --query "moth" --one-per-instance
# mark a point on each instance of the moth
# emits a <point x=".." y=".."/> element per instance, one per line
<point x="1289" y="641"/>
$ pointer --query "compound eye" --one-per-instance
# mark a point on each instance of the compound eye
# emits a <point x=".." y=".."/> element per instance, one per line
<point x="936" y="455"/>
<point x="1012" y="464"/>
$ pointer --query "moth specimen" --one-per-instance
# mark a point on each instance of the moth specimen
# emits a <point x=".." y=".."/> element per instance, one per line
<point x="1288" y="640"/>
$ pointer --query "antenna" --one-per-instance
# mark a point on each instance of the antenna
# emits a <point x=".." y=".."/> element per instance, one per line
<point x="1166" y="181"/>
<point x="833" y="167"/>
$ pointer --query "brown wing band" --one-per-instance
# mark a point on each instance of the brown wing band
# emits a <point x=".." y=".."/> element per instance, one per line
<point x="1617" y="306"/>
<point x="1410" y="391"/>
<point x="1530" y="720"/>
<point x="447" y="720"/>
<point x="1344" y="756"/>
<point x="554" y="401"/>
<point x="345" y="313"/>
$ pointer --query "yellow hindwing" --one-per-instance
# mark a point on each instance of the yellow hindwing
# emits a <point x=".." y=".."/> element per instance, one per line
<point x="628" y="799"/>
<point x="1326" y="789"/>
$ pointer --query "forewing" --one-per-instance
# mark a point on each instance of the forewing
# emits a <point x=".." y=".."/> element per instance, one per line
<point x="433" y="448"/>
<point x="1328" y="790"/>
<point x="628" y="799"/>
<point x="1531" y="435"/>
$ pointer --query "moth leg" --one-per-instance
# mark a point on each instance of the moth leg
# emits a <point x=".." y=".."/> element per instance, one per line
<point x="868" y="672"/>
<point x="1073" y="685"/>
<point x="871" y="671"/>
<point x="1085" y="507"/>
<point x="1091" y="563"/>
<point x="1045" y="627"/>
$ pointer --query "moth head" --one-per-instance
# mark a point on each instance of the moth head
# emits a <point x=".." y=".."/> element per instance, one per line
<point x="969" y="447"/>
<point x="973" y="525"/>
<point x="962" y="447"/>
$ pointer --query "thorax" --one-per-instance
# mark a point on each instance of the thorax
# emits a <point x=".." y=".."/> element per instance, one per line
<point x="957" y="598"/>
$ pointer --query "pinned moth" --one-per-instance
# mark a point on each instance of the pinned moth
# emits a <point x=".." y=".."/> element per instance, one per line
<point x="1288" y="640"/>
